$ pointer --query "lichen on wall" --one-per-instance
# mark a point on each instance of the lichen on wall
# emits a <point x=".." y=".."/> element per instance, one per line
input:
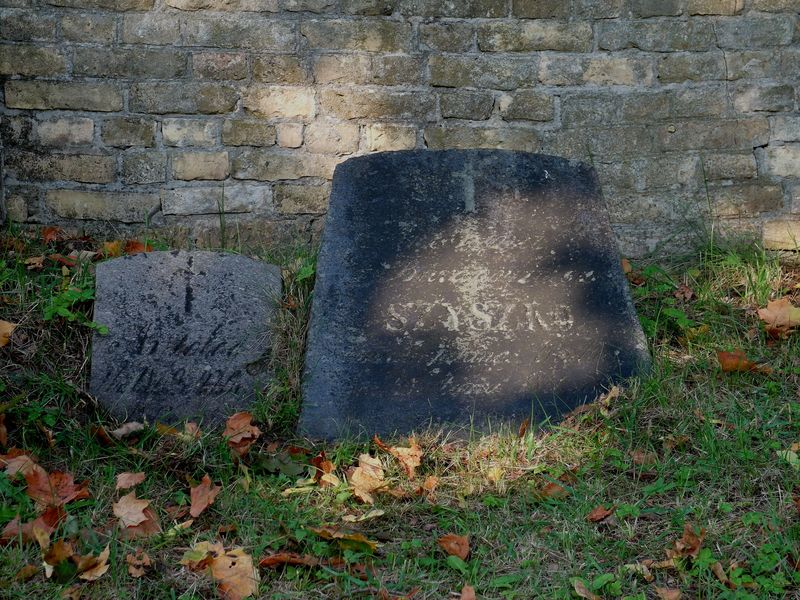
<point x="161" y="113"/>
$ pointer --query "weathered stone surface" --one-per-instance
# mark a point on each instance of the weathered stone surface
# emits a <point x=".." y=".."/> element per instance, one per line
<point x="123" y="132"/>
<point x="289" y="135"/>
<point x="179" y="97"/>
<point x="326" y="136"/>
<point x="26" y="25"/>
<point x="279" y="68"/>
<point x="280" y="101"/>
<point x="219" y="65"/>
<point x="232" y="31"/>
<point x="44" y="95"/>
<point x="526" y="36"/>
<point x="65" y="132"/>
<point x="482" y="72"/>
<point x="188" y="334"/>
<point x="527" y="105"/>
<point x="31" y="61"/>
<point x="136" y="63"/>
<point x="189" y="132"/>
<point x="447" y="36"/>
<point x="380" y="137"/>
<point x="781" y="234"/>
<point x="294" y="199"/>
<point x="269" y="165"/>
<point x="247" y="133"/>
<point x="88" y="28"/>
<point x="783" y="161"/>
<point x="459" y="104"/>
<point x="200" y="165"/>
<point x="363" y="68"/>
<point x="234" y="198"/>
<point x="144" y="167"/>
<point x="125" y="207"/>
<point x="366" y="103"/>
<point x="464" y="287"/>
<point x="444" y="137"/>
<point x="369" y="36"/>
<point x="86" y="168"/>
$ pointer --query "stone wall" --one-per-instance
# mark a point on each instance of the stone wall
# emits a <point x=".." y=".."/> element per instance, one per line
<point x="121" y="113"/>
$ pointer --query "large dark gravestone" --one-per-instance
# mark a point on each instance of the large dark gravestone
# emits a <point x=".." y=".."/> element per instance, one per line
<point x="464" y="287"/>
<point x="188" y="334"/>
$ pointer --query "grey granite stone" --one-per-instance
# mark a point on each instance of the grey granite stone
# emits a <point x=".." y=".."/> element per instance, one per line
<point x="189" y="334"/>
<point x="464" y="287"/>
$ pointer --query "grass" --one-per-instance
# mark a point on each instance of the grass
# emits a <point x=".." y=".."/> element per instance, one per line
<point x="711" y="442"/>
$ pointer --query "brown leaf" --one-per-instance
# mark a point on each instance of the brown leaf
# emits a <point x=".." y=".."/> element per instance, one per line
<point x="779" y="317"/>
<point x="138" y="563"/>
<point x="719" y="572"/>
<point x="551" y="491"/>
<point x="6" y="329"/>
<point x="126" y="430"/>
<point x="278" y="559"/>
<point x="640" y="569"/>
<point x="584" y="592"/>
<point x="135" y="246"/>
<point x="737" y="361"/>
<point x="55" y="489"/>
<point x="112" y="249"/>
<point x="56" y="554"/>
<point x="467" y="593"/>
<point x="643" y="458"/>
<point x="455" y="545"/>
<point x="366" y="478"/>
<point x="203" y="496"/>
<point x="523" y="428"/>
<point x="19" y="461"/>
<point x="600" y="513"/>
<point x="73" y="592"/>
<point x="668" y="593"/>
<point x="26" y="573"/>
<point x="428" y="488"/>
<point x="147" y="528"/>
<point x="233" y="569"/>
<point x="241" y="433"/>
<point x="130" y="510"/>
<point x="91" y="568"/>
<point x="128" y="480"/>
<point x="322" y="468"/>
<point x="684" y="293"/>
<point x="409" y="458"/>
<point x="47" y="522"/>
<point x="689" y="544"/>
<point x="344" y="537"/>
<point x="34" y="263"/>
<point x="52" y="234"/>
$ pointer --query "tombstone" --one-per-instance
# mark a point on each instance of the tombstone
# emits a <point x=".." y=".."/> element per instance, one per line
<point x="464" y="287"/>
<point x="188" y="334"/>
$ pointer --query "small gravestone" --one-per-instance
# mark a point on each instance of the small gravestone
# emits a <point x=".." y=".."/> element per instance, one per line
<point x="464" y="287"/>
<point x="188" y="334"/>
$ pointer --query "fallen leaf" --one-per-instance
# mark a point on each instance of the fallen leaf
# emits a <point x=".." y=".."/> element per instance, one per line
<point x="52" y="234"/>
<point x="668" y="593"/>
<point x="279" y="559"/>
<point x="583" y="592"/>
<point x="203" y="496"/>
<point x="135" y="246"/>
<point x="779" y="317"/>
<point x="241" y="433"/>
<point x="138" y="563"/>
<point x="640" y="569"/>
<point x="719" y="572"/>
<point x="467" y="593"/>
<point x="684" y="293"/>
<point x="689" y="544"/>
<point x="643" y="458"/>
<point x="233" y="569"/>
<point x="130" y="510"/>
<point x="676" y="442"/>
<point x="366" y="478"/>
<point x="323" y="471"/>
<point x="523" y="428"/>
<point x="19" y="461"/>
<point x="6" y="329"/>
<point x="370" y="514"/>
<point x="345" y="538"/>
<point x="455" y="545"/>
<point x="737" y="361"/>
<point x="73" y="592"/>
<point x="47" y="522"/>
<point x="410" y="458"/>
<point x="428" y="488"/>
<point x="128" y="480"/>
<point x="126" y="430"/>
<point x="55" y="489"/>
<point x="34" y="263"/>
<point x="147" y="528"/>
<point x="26" y="573"/>
<point x="59" y="552"/>
<point x="599" y="513"/>
<point x="91" y="568"/>
<point x="551" y="491"/>
<point x="112" y="249"/>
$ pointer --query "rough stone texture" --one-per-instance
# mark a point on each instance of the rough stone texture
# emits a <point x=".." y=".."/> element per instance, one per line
<point x="464" y="287"/>
<point x="315" y="81"/>
<point x="188" y="334"/>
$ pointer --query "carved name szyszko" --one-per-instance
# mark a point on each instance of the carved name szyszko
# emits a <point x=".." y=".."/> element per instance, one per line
<point x="479" y="316"/>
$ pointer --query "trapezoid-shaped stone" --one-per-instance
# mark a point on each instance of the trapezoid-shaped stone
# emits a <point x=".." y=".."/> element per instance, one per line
<point x="464" y="287"/>
<point x="189" y="334"/>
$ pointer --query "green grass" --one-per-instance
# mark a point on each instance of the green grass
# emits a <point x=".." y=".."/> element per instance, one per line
<point x="715" y="437"/>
